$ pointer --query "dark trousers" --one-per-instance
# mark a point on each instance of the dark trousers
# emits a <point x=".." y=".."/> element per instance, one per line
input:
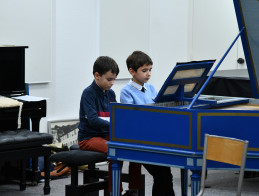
<point x="163" y="180"/>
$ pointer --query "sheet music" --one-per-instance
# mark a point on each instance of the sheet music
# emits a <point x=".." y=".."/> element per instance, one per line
<point x="105" y="118"/>
<point x="29" y="98"/>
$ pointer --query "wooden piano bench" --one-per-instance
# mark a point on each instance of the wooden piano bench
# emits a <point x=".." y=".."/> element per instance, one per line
<point x="92" y="175"/>
<point x="22" y="145"/>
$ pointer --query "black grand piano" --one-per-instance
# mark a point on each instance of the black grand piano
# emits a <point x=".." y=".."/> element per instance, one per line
<point x="12" y="85"/>
<point x="171" y="131"/>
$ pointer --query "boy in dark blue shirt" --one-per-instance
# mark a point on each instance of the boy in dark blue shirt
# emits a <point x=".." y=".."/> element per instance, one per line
<point x="94" y="108"/>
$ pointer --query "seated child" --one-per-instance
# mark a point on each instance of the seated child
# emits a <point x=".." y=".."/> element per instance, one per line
<point x="138" y="91"/>
<point x="94" y="112"/>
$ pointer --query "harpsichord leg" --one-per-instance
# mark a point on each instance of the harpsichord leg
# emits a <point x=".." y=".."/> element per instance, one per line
<point x="195" y="182"/>
<point x="116" y="173"/>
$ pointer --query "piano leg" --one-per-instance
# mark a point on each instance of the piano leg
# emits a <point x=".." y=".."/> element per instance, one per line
<point x="35" y="123"/>
<point x="195" y="182"/>
<point x="116" y="173"/>
<point x="35" y="126"/>
<point x="184" y="182"/>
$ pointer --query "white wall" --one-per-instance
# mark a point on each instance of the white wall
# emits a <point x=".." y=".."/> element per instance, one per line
<point x="214" y="29"/>
<point x="124" y="27"/>
<point x="75" y="46"/>
<point x="169" y="27"/>
<point x="28" y="23"/>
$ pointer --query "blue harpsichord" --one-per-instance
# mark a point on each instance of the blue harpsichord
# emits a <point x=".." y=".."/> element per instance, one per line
<point x="171" y="131"/>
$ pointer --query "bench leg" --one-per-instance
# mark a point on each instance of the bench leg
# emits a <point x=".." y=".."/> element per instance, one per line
<point x="95" y="173"/>
<point x="91" y="185"/>
<point x="23" y="175"/>
<point x="89" y="179"/>
<point x="74" y="176"/>
<point x="73" y="188"/>
<point x="35" y="173"/>
<point x="46" y="188"/>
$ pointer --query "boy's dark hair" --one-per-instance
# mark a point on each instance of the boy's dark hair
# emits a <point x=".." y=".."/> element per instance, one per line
<point x="137" y="59"/>
<point x="104" y="64"/>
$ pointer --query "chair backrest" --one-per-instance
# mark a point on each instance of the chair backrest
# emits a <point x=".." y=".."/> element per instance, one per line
<point x="227" y="150"/>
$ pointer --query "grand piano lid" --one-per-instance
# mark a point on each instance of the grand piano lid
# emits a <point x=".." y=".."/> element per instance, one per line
<point x="184" y="81"/>
<point x="247" y="12"/>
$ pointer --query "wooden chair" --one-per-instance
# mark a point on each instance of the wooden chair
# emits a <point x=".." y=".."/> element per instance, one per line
<point x="227" y="150"/>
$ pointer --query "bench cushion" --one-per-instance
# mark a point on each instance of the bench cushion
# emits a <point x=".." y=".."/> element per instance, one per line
<point x="78" y="157"/>
<point x="23" y="139"/>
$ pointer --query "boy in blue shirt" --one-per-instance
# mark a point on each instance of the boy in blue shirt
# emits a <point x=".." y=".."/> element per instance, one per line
<point x="138" y="91"/>
<point x="94" y="112"/>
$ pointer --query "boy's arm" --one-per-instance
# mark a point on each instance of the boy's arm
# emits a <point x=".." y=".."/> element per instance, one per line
<point x="91" y="112"/>
<point x="125" y="97"/>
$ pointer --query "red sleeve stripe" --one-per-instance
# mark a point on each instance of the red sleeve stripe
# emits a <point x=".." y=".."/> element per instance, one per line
<point x="103" y="114"/>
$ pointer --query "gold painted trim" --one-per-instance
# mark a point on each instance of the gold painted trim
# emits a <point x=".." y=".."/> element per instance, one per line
<point x="219" y="114"/>
<point x="149" y="142"/>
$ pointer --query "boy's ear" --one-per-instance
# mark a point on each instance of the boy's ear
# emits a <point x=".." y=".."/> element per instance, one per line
<point x="96" y="75"/>
<point x="131" y="71"/>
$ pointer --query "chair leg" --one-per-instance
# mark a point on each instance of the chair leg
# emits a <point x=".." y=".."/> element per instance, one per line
<point x="23" y="175"/>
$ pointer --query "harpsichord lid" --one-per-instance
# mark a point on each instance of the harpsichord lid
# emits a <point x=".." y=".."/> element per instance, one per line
<point x="248" y="17"/>
<point x="184" y="80"/>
